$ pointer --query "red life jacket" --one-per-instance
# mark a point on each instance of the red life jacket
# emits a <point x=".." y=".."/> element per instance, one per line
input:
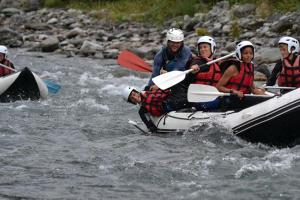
<point x="211" y="77"/>
<point x="153" y="101"/>
<point x="290" y="74"/>
<point x="244" y="80"/>
<point x="4" y="71"/>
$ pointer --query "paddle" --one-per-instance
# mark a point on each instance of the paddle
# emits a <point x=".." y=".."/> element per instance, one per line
<point x="52" y="87"/>
<point x="169" y="79"/>
<point x="132" y="61"/>
<point x="137" y="126"/>
<point x="205" y="93"/>
<point x="279" y="87"/>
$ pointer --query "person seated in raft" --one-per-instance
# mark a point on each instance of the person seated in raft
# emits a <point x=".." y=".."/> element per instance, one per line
<point x="287" y="69"/>
<point x="172" y="57"/>
<point x="153" y="102"/>
<point x="238" y="79"/>
<point x="207" y="74"/>
<point x="4" y="61"/>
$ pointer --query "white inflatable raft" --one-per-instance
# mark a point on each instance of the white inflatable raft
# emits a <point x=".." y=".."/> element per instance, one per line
<point x="273" y="122"/>
<point x="22" y="85"/>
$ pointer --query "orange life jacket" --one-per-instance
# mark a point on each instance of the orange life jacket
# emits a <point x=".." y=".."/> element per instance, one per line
<point x="244" y="80"/>
<point x="5" y="71"/>
<point x="153" y="101"/>
<point x="211" y="77"/>
<point x="290" y="74"/>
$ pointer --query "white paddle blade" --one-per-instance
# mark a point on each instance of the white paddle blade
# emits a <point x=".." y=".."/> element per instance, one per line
<point x="132" y="122"/>
<point x="169" y="79"/>
<point x="202" y="88"/>
<point x="202" y="96"/>
<point x="202" y="93"/>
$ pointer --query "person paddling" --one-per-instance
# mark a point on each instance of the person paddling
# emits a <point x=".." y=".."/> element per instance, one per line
<point x="207" y="74"/>
<point x="238" y="78"/>
<point x="174" y="56"/>
<point x="287" y="69"/>
<point x="153" y="102"/>
<point x="4" y="61"/>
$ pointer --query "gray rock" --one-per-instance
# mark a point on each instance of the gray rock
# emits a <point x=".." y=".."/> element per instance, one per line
<point x="90" y="48"/>
<point x="189" y="23"/>
<point x="226" y="28"/>
<point x="147" y="52"/>
<point x="258" y="76"/>
<point x="230" y="46"/>
<point x="27" y="5"/>
<point x="282" y="25"/>
<point x="77" y="42"/>
<point x="75" y="32"/>
<point x="37" y="26"/>
<point x="53" y="20"/>
<point x="247" y="35"/>
<point x="10" y="37"/>
<point x="250" y="23"/>
<point x="10" y="11"/>
<point x="10" y="3"/>
<point x="111" y="53"/>
<point x="31" y="5"/>
<point x="245" y="10"/>
<point x="264" y="69"/>
<point x="267" y="55"/>
<point x="50" y="44"/>
<point x="217" y="29"/>
<point x="126" y="34"/>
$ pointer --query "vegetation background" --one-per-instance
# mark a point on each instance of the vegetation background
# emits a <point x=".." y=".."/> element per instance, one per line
<point x="157" y="11"/>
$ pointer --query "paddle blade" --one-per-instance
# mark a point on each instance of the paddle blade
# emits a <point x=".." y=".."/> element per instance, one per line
<point x="205" y="93"/>
<point x="169" y="79"/>
<point x="52" y="87"/>
<point x="132" y="61"/>
<point x="202" y="93"/>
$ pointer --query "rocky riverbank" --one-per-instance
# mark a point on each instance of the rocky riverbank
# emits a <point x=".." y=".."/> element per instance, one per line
<point x="73" y="32"/>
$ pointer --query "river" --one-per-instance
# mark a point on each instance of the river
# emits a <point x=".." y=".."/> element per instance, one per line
<point x="77" y="144"/>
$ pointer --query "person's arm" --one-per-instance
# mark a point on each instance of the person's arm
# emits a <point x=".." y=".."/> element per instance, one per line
<point x="230" y="72"/>
<point x="199" y="65"/>
<point x="147" y="121"/>
<point x="275" y="72"/>
<point x="256" y="90"/>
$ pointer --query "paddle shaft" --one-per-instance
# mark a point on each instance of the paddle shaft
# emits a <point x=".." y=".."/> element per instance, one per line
<point x="210" y="62"/>
<point x="280" y="87"/>
<point x="228" y="94"/>
<point x="167" y="80"/>
<point x="137" y="126"/>
<point x="7" y="67"/>
<point x="218" y="59"/>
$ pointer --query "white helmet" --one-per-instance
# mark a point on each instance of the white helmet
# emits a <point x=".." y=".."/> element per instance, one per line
<point x="126" y="93"/>
<point x="209" y="40"/>
<point x="291" y="42"/>
<point x="3" y="49"/>
<point x="240" y="46"/>
<point x="175" y="35"/>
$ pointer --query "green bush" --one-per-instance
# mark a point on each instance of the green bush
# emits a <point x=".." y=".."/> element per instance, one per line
<point x="158" y="11"/>
<point x="202" y="32"/>
<point x="235" y="31"/>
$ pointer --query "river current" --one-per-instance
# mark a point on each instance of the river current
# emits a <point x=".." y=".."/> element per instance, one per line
<point x="77" y="144"/>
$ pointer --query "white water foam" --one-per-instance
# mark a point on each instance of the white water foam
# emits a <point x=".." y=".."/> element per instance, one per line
<point x="90" y="104"/>
<point x="276" y="161"/>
